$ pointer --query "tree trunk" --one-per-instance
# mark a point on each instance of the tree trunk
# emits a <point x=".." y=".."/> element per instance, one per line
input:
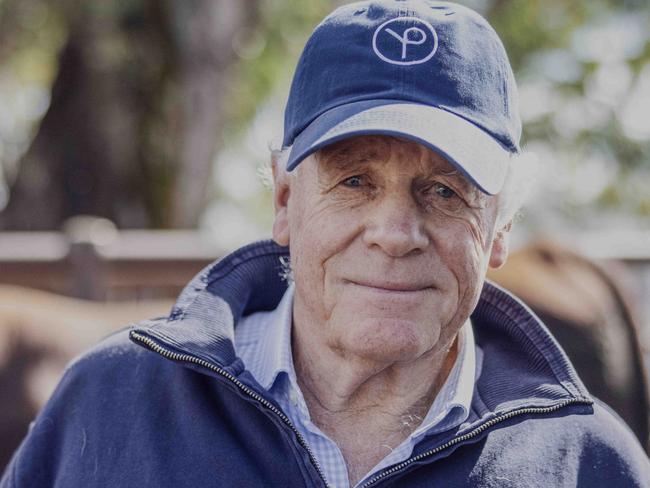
<point x="135" y="111"/>
<point x="203" y="35"/>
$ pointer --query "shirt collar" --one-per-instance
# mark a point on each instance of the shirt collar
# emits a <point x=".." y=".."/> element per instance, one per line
<point x="457" y="390"/>
<point x="266" y="351"/>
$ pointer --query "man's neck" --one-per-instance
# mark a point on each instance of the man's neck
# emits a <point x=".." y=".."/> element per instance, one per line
<point x="367" y="408"/>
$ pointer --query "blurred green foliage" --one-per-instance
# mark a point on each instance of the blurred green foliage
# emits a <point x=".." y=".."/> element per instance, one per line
<point x="31" y="34"/>
<point x="270" y="51"/>
<point x="580" y="66"/>
<point x="583" y="68"/>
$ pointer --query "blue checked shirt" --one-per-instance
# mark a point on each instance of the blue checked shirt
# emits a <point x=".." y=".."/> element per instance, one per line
<point x="263" y="341"/>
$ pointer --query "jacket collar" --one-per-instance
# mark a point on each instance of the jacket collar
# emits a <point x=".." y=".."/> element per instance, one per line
<point x="522" y="366"/>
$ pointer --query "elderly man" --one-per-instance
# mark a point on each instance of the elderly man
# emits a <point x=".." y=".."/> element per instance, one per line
<point x="380" y="358"/>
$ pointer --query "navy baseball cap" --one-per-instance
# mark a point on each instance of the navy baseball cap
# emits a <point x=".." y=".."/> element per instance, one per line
<point x="432" y="72"/>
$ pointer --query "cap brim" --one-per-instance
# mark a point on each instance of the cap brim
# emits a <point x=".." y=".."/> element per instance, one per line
<point x="476" y="154"/>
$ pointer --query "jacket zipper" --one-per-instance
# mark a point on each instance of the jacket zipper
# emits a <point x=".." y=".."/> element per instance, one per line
<point x="187" y="358"/>
<point x="174" y="356"/>
<point x="474" y="433"/>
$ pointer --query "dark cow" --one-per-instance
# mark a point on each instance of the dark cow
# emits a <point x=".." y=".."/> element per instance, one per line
<point x="39" y="334"/>
<point x="584" y="305"/>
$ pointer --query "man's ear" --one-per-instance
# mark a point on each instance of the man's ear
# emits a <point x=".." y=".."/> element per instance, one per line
<point x="499" y="252"/>
<point x="281" y="191"/>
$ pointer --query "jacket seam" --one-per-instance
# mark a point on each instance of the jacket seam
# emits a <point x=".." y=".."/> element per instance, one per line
<point x="244" y="260"/>
<point x="14" y="472"/>
<point x="501" y="307"/>
<point x="214" y="273"/>
<point x="479" y="399"/>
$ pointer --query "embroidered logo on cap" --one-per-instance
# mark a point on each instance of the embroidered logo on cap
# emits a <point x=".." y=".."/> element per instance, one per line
<point x="405" y="41"/>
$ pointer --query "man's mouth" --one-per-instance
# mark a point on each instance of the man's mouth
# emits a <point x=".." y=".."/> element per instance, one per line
<point x="391" y="286"/>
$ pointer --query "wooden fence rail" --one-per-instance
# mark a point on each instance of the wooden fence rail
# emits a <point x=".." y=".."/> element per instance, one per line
<point x="90" y="259"/>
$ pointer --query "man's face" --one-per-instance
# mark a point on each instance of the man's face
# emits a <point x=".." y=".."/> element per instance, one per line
<point x="389" y="247"/>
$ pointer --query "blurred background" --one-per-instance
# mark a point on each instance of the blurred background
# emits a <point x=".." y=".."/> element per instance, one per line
<point x="132" y="134"/>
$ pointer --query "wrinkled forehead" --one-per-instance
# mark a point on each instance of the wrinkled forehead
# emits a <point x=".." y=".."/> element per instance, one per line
<point x="363" y="154"/>
<point x="376" y="149"/>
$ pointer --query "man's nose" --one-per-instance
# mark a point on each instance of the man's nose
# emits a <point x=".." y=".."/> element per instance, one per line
<point x="396" y="226"/>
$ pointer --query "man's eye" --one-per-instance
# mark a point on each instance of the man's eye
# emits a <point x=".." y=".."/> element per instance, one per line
<point x="443" y="191"/>
<point x="353" y="181"/>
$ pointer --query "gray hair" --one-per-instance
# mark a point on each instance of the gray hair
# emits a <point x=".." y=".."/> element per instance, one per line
<point x="279" y="157"/>
<point x="520" y="178"/>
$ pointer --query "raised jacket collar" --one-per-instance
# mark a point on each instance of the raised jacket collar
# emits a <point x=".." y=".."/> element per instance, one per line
<point x="523" y="366"/>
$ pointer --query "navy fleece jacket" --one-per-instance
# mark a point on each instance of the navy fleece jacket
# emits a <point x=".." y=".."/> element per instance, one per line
<point x="168" y="404"/>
